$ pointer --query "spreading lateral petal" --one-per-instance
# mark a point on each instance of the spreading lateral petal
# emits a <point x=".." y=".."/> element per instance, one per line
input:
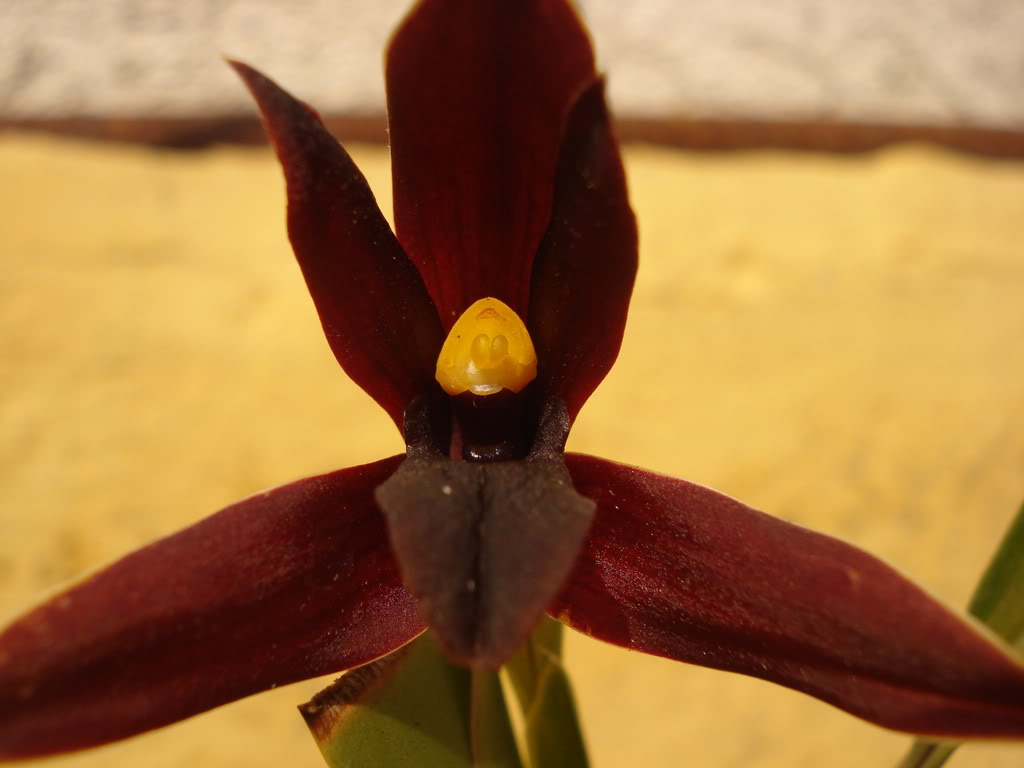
<point x="286" y="585"/>
<point x="677" y="570"/>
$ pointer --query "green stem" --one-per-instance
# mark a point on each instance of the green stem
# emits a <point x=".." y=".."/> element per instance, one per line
<point x="553" y="735"/>
<point x="493" y="742"/>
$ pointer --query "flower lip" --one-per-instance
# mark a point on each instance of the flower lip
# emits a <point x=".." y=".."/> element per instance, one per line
<point x="484" y="545"/>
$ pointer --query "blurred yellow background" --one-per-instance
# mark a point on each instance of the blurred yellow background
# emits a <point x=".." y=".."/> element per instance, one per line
<point x="836" y="341"/>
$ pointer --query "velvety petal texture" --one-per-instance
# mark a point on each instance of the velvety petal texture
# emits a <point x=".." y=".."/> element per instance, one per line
<point x="678" y="570"/>
<point x="478" y="93"/>
<point x="375" y="310"/>
<point x="584" y="271"/>
<point x="484" y="546"/>
<point x="288" y="584"/>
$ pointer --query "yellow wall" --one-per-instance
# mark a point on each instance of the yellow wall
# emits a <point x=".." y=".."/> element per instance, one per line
<point x="834" y="340"/>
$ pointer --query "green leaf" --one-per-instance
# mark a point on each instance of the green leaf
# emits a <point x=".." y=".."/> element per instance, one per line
<point x="998" y="602"/>
<point x="922" y="754"/>
<point x="553" y="735"/>
<point x="414" y="709"/>
<point x="999" y="598"/>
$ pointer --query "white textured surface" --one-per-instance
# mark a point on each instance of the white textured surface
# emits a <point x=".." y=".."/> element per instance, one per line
<point x="941" y="62"/>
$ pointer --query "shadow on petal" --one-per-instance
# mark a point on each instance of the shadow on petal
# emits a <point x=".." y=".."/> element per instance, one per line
<point x="678" y="570"/>
<point x="289" y="584"/>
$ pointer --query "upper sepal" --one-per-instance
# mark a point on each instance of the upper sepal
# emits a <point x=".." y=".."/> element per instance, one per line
<point x="478" y="93"/>
<point x="375" y="310"/>
<point x="678" y="570"/>
<point x="288" y="584"/>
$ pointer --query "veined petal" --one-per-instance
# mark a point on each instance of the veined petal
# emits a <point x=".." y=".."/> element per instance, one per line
<point x="478" y="92"/>
<point x="288" y="584"/>
<point x="678" y="570"/>
<point x="584" y="271"/>
<point x="374" y="308"/>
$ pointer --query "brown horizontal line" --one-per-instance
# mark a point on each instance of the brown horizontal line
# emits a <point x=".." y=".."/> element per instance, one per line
<point x="189" y="132"/>
<point x="709" y="135"/>
<point x="819" y="137"/>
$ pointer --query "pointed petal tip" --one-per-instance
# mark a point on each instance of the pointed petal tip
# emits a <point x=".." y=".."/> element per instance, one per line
<point x="484" y="659"/>
<point x="260" y="594"/>
<point x="282" y="113"/>
<point x="251" y="77"/>
<point x="375" y="311"/>
<point x="680" y="571"/>
<point x="476" y="652"/>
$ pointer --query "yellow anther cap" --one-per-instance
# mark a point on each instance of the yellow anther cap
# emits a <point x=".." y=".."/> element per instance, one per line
<point x="487" y="350"/>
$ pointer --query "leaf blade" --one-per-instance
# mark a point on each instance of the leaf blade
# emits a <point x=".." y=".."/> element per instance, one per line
<point x="413" y="708"/>
<point x="410" y="708"/>
<point x="999" y="599"/>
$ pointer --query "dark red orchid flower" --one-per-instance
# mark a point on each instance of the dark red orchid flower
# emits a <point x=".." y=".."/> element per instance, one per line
<point x="507" y="185"/>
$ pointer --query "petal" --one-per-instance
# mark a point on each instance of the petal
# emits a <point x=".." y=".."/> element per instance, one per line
<point x="677" y="570"/>
<point x="478" y="91"/>
<point x="374" y="308"/>
<point x="288" y="584"/>
<point x="584" y="271"/>
<point x="484" y="546"/>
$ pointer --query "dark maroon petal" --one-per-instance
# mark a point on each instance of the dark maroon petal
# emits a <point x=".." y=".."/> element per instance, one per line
<point x="478" y="92"/>
<point x="484" y="546"/>
<point x="584" y="271"/>
<point x="288" y="584"/>
<point x="678" y="570"/>
<point x="375" y="310"/>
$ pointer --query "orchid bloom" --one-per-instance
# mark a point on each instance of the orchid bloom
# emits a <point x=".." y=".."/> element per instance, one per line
<point x="508" y="190"/>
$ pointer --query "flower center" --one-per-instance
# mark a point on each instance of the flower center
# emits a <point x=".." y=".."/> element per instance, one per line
<point x="487" y="350"/>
